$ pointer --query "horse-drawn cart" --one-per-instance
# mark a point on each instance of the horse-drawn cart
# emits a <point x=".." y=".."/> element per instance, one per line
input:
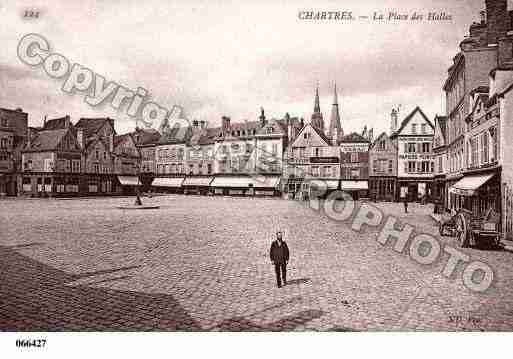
<point x="470" y="230"/>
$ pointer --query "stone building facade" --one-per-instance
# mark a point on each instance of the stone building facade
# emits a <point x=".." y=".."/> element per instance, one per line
<point x="383" y="169"/>
<point x="13" y="134"/>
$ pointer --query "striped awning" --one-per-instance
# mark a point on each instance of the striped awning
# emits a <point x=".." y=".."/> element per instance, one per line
<point x="468" y="185"/>
<point x="328" y="184"/>
<point x="198" y="181"/>
<point x="354" y="185"/>
<point x="168" y="182"/>
<point x="246" y="182"/>
<point x="129" y="180"/>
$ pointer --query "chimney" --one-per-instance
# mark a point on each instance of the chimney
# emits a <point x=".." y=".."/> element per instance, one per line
<point x="302" y="123"/>
<point x="203" y="124"/>
<point x="225" y="123"/>
<point x="482" y="15"/>
<point x="497" y="20"/>
<point x="66" y="121"/>
<point x="262" y="117"/>
<point x="111" y="143"/>
<point x="44" y="121"/>
<point x="393" y="123"/>
<point x="80" y="137"/>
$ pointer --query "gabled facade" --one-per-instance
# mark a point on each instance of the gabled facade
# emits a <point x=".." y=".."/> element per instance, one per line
<point x="52" y="161"/>
<point x="311" y="159"/>
<point x="415" y="160"/>
<point x="126" y="155"/>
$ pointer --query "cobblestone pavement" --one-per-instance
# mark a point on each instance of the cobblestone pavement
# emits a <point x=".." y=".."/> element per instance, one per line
<point x="201" y="263"/>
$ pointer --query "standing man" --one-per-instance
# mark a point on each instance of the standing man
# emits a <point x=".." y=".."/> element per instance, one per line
<point x="406" y="204"/>
<point x="279" y="254"/>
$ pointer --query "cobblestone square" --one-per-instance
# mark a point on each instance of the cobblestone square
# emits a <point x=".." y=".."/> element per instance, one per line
<point x="202" y="264"/>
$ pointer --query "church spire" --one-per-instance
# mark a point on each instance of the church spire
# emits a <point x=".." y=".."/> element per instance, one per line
<point x="317" y="119"/>
<point x="317" y="106"/>
<point x="335" y="131"/>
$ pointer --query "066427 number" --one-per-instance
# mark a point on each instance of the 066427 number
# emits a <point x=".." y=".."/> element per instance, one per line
<point x="30" y="343"/>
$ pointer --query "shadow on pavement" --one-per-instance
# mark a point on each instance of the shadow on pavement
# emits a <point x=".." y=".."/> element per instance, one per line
<point x="298" y="281"/>
<point x="239" y="324"/>
<point x="25" y="245"/>
<point x="35" y="297"/>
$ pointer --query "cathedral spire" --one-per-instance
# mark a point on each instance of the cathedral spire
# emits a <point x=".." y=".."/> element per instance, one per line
<point x="317" y="119"/>
<point x="317" y="106"/>
<point x="335" y="131"/>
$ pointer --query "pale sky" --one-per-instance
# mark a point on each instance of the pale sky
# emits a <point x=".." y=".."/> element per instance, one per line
<point x="218" y="58"/>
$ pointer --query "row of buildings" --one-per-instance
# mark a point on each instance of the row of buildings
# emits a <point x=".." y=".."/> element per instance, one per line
<point x="262" y="157"/>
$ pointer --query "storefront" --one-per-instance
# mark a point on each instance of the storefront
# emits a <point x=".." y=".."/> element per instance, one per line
<point x="293" y="187"/>
<point x="382" y="188"/>
<point x="320" y="188"/>
<point x="357" y="189"/>
<point x="478" y="193"/>
<point x="168" y="184"/>
<point x="7" y="184"/>
<point x="128" y="184"/>
<point x="414" y="190"/>
<point x="50" y="184"/>
<point x="246" y="186"/>
<point x="197" y="185"/>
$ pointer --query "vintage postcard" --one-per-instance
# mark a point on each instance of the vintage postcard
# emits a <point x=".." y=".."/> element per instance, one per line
<point x="220" y="166"/>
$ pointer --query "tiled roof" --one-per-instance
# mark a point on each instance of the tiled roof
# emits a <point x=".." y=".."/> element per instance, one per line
<point x="93" y="125"/>
<point x="176" y="135"/>
<point x="56" y="123"/>
<point x="353" y="137"/>
<point x="46" y="140"/>
<point x="120" y="138"/>
<point x="442" y="122"/>
<point x="275" y="125"/>
<point x="146" y="136"/>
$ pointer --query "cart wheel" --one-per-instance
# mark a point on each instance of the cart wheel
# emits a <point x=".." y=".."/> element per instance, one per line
<point x="462" y="230"/>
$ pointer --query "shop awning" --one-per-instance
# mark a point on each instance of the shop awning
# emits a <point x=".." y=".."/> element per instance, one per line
<point x="354" y="185"/>
<point x="129" y="180"/>
<point x="246" y="182"/>
<point x="330" y="184"/>
<point x="168" y="182"/>
<point x="198" y="181"/>
<point x="468" y="185"/>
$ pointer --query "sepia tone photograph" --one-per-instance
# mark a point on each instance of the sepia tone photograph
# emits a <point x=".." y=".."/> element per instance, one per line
<point x="255" y="166"/>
